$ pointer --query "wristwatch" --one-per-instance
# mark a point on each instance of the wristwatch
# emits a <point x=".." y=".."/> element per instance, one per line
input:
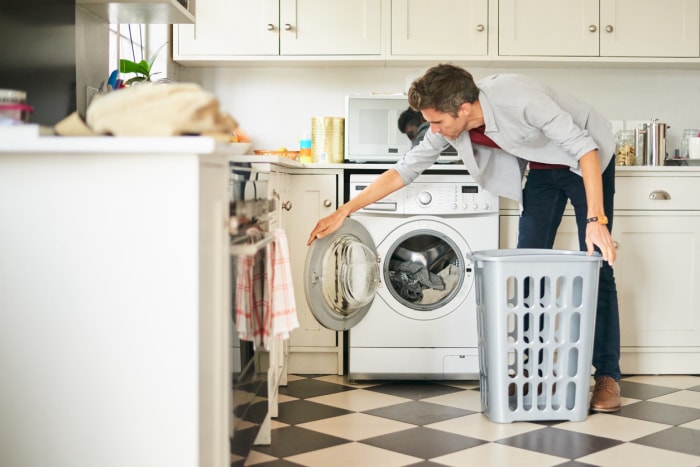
<point x="601" y="219"/>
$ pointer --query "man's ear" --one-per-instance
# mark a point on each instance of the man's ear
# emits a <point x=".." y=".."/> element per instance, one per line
<point x="464" y="109"/>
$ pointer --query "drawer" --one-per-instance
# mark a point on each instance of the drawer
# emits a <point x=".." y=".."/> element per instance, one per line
<point x="657" y="193"/>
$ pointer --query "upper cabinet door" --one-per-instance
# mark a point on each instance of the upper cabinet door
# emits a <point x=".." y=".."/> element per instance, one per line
<point x="230" y="27"/>
<point x="548" y="27"/>
<point x="338" y="27"/>
<point x="650" y="28"/>
<point x="439" y="27"/>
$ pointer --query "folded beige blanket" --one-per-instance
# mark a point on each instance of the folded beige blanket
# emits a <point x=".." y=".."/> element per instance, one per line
<point x="152" y="109"/>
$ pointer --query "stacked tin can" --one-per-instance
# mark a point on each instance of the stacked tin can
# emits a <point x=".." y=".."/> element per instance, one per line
<point x="328" y="139"/>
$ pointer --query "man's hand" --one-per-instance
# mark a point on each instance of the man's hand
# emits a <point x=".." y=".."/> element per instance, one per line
<point x="327" y="225"/>
<point x="599" y="235"/>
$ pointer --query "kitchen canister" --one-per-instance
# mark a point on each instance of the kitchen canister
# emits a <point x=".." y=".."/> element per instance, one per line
<point x="625" y="152"/>
<point x="328" y="139"/>
<point x="687" y="134"/>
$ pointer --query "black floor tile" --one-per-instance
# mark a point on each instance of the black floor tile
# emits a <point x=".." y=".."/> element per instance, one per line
<point x="561" y="443"/>
<point x="660" y="413"/>
<point x="427" y="464"/>
<point x="301" y="411"/>
<point x="307" y="388"/>
<point x="575" y="464"/>
<point x="419" y="412"/>
<point x="422" y="442"/>
<point x="674" y="439"/>
<point x="292" y="440"/>
<point x="277" y="463"/>
<point x="643" y="391"/>
<point x="414" y="389"/>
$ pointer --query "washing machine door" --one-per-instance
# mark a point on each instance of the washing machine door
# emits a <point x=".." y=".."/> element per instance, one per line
<point x="341" y="276"/>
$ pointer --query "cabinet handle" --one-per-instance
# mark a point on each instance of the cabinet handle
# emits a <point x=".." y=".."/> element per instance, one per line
<point x="287" y="206"/>
<point x="616" y="245"/>
<point x="327" y="203"/>
<point x="608" y="28"/>
<point x="287" y="27"/>
<point x="480" y="27"/>
<point x="659" y="195"/>
<point x="270" y="27"/>
<point x="592" y="28"/>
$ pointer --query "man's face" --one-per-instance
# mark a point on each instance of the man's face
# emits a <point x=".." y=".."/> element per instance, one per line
<point x="446" y="124"/>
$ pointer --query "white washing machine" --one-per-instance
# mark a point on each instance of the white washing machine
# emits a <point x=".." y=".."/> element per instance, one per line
<point x="397" y="276"/>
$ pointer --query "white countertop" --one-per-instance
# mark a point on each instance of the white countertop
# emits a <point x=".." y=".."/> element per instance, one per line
<point x="111" y="145"/>
<point x="207" y="145"/>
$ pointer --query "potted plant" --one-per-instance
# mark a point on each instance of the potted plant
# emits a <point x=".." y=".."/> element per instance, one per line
<point x="141" y="69"/>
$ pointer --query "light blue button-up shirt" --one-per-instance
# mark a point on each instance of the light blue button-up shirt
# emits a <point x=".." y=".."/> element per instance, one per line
<point x="530" y="122"/>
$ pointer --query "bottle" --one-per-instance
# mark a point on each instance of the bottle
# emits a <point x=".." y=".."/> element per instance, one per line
<point x="306" y="155"/>
<point x="625" y="148"/>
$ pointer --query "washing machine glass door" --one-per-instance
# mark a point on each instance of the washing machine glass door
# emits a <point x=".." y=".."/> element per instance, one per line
<point x="341" y="276"/>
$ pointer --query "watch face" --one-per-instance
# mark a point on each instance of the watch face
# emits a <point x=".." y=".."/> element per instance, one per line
<point x="602" y="219"/>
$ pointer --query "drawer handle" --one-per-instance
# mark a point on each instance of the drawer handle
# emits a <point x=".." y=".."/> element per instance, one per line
<point x="287" y="206"/>
<point x="659" y="195"/>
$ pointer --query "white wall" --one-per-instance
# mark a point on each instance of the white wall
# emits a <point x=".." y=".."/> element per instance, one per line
<point x="275" y="103"/>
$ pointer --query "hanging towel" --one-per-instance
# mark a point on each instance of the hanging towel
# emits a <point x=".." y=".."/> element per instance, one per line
<point x="280" y="306"/>
<point x="249" y="296"/>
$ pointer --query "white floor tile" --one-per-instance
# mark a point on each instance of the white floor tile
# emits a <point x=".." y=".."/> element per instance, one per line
<point x="359" y="400"/>
<point x="498" y="455"/>
<point x="695" y="425"/>
<point x="612" y="426"/>
<point x="256" y="457"/>
<point x="671" y="381"/>
<point x="285" y="398"/>
<point x="636" y="455"/>
<point x="684" y="398"/>
<point x="480" y="427"/>
<point x="274" y="424"/>
<point x="352" y="455"/>
<point x="356" y="426"/>
<point x="468" y="400"/>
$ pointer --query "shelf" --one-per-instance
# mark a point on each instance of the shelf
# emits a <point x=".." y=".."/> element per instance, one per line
<point x="139" y="11"/>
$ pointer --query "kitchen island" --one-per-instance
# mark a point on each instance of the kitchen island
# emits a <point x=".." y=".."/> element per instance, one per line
<point x="114" y="285"/>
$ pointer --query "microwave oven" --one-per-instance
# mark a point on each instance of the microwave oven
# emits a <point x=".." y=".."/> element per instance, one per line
<point x="372" y="129"/>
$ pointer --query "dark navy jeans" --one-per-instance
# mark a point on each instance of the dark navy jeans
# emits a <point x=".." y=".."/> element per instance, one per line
<point x="544" y="199"/>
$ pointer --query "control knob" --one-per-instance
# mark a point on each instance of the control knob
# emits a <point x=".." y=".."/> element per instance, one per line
<point x="424" y="198"/>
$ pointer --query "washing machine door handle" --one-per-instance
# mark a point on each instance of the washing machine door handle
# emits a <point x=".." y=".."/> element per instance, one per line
<point x="341" y="276"/>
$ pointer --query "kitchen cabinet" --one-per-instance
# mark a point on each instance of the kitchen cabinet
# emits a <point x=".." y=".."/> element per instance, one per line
<point x="605" y="28"/>
<point x="247" y="28"/>
<point x="657" y="235"/>
<point x="462" y="26"/>
<point x="312" y="348"/>
<point x="114" y="302"/>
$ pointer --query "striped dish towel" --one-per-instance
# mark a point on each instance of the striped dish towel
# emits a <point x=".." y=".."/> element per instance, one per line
<point x="249" y="297"/>
<point x="280" y="312"/>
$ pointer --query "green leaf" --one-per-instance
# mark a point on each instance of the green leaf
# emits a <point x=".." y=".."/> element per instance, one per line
<point x="155" y="55"/>
<point x="127" y="66"/>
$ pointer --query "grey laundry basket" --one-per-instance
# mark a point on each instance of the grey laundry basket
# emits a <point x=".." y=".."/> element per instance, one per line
<point x="536" y="320"/>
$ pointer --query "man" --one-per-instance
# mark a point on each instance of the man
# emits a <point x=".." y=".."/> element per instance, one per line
<point x="498" y="127"/>
<point x="413" y="125"/>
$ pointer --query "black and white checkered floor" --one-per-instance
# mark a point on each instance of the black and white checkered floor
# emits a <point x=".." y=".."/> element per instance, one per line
<point x="326" y="421"/>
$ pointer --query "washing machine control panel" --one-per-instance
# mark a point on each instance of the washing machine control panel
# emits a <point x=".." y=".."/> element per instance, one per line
<point x="431" y="194"/>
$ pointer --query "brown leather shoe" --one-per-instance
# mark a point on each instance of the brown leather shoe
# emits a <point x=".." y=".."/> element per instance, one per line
<point x="606" y="395"/>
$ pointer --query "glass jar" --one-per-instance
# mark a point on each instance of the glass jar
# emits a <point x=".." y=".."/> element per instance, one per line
<point x="625" y="148"/>
<point x="687" y="133"/>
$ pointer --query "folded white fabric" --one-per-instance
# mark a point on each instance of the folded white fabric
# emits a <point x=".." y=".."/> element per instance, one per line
<point x="156" y="109"/>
